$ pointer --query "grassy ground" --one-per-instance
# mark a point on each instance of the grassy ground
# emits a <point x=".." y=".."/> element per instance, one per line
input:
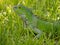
<point x="11" y="26"/>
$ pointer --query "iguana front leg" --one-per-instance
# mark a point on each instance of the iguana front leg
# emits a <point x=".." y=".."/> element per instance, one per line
<point x="25" y="21"/>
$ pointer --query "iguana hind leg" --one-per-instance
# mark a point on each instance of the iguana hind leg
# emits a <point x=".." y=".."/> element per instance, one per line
<point x="36" y="30"/>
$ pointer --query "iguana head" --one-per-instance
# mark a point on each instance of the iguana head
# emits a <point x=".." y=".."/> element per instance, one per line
<point x="23" y="11"/>
<point x="19" y="9"/>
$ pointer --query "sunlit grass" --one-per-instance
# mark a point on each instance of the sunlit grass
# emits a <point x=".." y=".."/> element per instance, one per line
<point x="12" y="31"/>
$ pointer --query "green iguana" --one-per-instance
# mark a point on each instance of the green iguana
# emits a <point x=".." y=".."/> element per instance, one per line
<point x="27" y="16"/>
<point x="30" y="20"/>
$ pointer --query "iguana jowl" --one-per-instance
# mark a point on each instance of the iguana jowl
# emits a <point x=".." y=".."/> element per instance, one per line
<point x="29" y="19"/>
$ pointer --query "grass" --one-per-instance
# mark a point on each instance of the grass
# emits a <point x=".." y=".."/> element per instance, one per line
<point x="12" y="31"/>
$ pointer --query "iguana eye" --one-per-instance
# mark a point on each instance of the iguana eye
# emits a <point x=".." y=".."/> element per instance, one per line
<point x="19" y="7"/>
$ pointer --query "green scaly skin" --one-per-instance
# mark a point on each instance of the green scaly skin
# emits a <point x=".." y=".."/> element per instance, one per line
<point x="31" y="20"/>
